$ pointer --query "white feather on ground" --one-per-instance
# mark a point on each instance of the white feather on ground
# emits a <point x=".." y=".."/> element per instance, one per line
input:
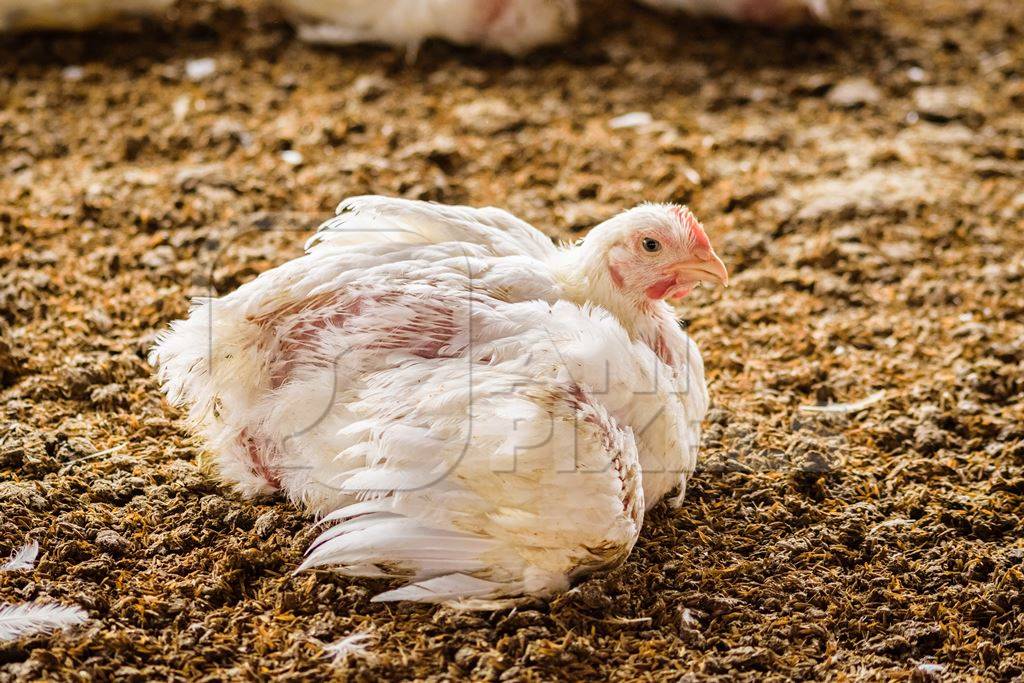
<point x="854" y="407"/>
<point x="24" y="558"/>
<point x="353" y="645"/>
<point x="33" y="618"/>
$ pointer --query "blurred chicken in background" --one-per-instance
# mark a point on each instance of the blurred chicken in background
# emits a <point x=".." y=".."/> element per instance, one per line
<point x="767" y="12"/>
<point x="511" y="26"/>
<point x="514" y="27"/>
<point x="74" y="15"/>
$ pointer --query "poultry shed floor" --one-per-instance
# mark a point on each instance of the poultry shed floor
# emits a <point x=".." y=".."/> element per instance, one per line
<point x="864" y="186"/>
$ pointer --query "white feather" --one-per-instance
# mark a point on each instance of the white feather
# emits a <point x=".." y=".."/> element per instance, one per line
<point x="34" y="618"/>
<point x="23" y="558"/>
<point x="375" y="219"/>
<point x="444" y="589"/>
<point x="353" y="645"/>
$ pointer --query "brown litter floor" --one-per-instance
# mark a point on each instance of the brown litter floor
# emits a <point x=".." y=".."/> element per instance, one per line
<point x="865" y="186"/>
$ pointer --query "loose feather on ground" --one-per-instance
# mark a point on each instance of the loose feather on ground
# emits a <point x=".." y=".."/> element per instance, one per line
<point x="24" y="558"/>
<point x="353" y="645"/>
<point x="33" y="618"/>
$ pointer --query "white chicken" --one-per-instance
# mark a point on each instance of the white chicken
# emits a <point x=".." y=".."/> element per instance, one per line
<point x="512" y="26"/>
<point x="484" y="414"/>
<point x="75" y="15"/>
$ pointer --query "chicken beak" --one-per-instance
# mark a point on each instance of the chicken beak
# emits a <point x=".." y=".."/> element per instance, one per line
<point x="718" y="271"/>
<point x="705" y="267"/>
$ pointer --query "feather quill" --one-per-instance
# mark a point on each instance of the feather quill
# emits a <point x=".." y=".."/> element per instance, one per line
<point x="25" y="558"/>
<point x="855" y="407"/>
<point x="32" y="618"/>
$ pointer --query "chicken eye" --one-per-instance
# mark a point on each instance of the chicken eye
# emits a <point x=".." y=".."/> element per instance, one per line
<point x="651" y="245"/>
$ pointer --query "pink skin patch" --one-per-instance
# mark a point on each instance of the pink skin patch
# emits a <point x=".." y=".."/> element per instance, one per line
<point x="491" y="12"/>
<point x="298" y="330"/>
<point x="492" y="9"/>
<point x="662" y="350"/>
<point x="260" y="454"/>
<point x="616" y="276"/>
<point x="304" y="335"/>
<point x="605" y="427"/>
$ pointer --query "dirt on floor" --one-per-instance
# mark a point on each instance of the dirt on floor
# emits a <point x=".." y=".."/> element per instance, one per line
<point x="864" y="186"/>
